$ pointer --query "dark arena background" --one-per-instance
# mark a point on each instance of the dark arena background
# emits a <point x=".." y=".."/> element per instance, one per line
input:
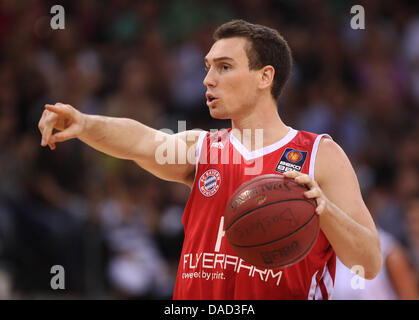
<point x="113" y="230"/>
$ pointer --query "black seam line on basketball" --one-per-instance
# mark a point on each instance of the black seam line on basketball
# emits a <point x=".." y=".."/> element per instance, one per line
<point x="290" y="263"/>
<point x="265" y="205"/>
<point x="309" y="248"/>
<point x="289" y="234"/>
<point x="266" y="178"/>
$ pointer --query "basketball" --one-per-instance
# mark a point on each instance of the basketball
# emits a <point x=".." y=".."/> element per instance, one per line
<point x="269" y="223"/>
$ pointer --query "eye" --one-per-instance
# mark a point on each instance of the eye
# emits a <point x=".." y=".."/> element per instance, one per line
<point x="223" y="67"/>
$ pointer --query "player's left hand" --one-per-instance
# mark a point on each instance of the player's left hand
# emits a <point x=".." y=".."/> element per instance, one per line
<point x="314" y="190"/>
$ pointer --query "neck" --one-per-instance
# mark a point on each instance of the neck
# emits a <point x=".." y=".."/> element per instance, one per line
<point x="262" y="122"/>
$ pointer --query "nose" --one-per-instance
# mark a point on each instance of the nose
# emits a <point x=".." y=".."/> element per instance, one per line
<point x="209" y="80"/>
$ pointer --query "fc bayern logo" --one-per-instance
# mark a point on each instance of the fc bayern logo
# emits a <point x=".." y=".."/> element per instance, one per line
<point x="210" y="182"/>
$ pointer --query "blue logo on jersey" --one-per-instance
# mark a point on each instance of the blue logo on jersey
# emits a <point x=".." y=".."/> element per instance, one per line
<point x="291" y="160"/>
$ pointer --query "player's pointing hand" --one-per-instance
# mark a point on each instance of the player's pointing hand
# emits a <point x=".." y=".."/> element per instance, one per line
<point x="62" y="117"/>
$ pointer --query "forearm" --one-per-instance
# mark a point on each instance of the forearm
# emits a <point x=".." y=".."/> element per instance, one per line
<point x="123" y="138"/>
<point x="353" y="243"/>
<point x="119" y="137"/>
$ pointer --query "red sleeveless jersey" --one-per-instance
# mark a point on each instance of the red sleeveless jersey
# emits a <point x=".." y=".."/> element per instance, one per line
<point x="208" y="267"/>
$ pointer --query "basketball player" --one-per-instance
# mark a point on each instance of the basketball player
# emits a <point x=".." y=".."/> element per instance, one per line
<point x="247" y="67"/>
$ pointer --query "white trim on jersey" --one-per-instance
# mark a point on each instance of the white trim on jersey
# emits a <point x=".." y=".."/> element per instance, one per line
<point x="313" y="286"/>
<point x="314" y="153"/>
<point x="199" y="144"/>
<point x="328" y="283"/>
<point x="250" y="155"/>
<point x="198" y="149"/>
<point x="318" y="295"/>
<point x="315" y="291"/>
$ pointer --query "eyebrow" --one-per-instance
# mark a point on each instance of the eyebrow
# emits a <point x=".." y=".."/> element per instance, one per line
<point x="219" y="59"/>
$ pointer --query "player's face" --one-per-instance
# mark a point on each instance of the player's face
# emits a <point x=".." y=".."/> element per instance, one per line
<point x="231" y="86"/>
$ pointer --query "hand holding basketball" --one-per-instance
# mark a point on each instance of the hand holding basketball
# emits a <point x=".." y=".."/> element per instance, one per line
<point x="269" y="222"/>
<point x="314" y="192"/>
<point x="62" y="117"/>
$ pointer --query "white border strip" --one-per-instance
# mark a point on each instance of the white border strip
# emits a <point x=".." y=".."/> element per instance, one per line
<point x="314" y="153"/>
<point x="249" y="155"/>
<point x="319" y="295"/>
<point x="313" y="286"/>
<point x="328" y="283"/>
<point x="199" y="148"/>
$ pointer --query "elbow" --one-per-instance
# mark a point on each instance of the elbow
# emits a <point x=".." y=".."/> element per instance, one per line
<point x="376" y="261"/>
<point x="369" y="267"/>
<point x="374" y="266"/>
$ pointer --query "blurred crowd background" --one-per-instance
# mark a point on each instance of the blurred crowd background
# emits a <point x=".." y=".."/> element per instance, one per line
<point x="116" y="229"/>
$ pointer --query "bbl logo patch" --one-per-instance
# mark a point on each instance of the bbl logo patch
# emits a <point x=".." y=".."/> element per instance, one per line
<point x="209" y="182"/>
<point x="291" y="160"/>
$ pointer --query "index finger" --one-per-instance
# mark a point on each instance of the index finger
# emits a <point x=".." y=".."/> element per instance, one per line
<point x="305" y="179"/>
<point x="292" y="174"/>
<point x="60" y="109"/>
<point x="48" y="127"/>
<point x="300" y="178"/>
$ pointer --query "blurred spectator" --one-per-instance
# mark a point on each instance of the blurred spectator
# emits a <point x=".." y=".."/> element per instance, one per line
<point x="412" y="219"/>
<point x="6" y="285"/>
<point x="411" y="55"/>
<point x="133" y="99"/>
<point x="136" y="268"/>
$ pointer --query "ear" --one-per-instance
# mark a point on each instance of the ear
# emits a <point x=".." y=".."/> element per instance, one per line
<point x="266" y="77"/>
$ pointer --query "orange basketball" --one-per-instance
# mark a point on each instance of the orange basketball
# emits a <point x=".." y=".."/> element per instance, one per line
<point x="269" y="223"/>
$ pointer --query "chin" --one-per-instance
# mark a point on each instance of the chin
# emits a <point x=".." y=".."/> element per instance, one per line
<point x="217" y="114"/>
<point x="218" y="111"/>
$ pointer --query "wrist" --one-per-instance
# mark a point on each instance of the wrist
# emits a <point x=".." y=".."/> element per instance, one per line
<point x="87" y="124"/>
<point x="328" y="210"/>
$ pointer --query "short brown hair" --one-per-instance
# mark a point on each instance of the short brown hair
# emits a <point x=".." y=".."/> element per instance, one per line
<point x="267" y="47"/>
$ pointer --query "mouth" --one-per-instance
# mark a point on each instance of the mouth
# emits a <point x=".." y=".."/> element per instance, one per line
<point x="211" y="99"/>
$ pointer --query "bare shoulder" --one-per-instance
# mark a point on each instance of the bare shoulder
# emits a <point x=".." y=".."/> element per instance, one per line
<point x="337" y="179"/>
<point x="189" y="136"/>
<point x="190" y="141"/>
<point x="328" y="148"/>
<point x="173" y="156"/>
<point x="331" y="162"/>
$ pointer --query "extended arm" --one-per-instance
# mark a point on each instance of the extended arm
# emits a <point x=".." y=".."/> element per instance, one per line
<point x="160" y="153"/>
